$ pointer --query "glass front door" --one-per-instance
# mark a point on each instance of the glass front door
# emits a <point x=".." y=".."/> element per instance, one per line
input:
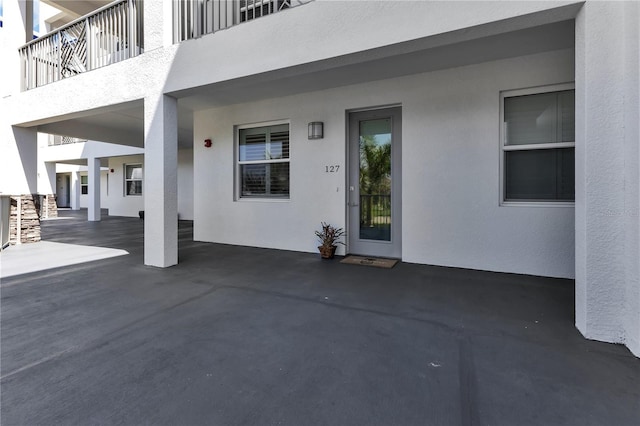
<point x="374" y="187"/>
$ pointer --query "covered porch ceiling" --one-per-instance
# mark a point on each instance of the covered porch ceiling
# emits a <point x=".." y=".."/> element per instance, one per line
<point x="121" y="124"/>
<point x="124" y="123"/>
<point x="378" y="64"/>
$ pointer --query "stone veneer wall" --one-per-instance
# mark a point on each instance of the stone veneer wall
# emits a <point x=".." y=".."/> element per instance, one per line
<point x="30" y="220"/>
<point x="48" y="206"/>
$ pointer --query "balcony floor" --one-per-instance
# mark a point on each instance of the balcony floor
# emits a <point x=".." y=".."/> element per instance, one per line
<point x="237" y="335"/>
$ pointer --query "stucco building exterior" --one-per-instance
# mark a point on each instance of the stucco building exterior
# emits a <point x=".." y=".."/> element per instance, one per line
<point x="510" y="130"/>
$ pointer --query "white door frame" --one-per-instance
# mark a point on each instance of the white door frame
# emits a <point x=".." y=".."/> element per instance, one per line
<point x="355" y="244"/>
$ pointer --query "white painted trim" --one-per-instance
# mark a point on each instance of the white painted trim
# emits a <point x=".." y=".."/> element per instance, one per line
<point x="237" y="163"/>
<point x="263" y="200"/>
<point x="372" y="108"/>
<point x="264" y="162"/>
<point x="536" y="90"/>
<point x="564" y="204"/>
<point x="263" y="124"/>
<point x="530" y="147"/>
<point x="125" y="180"/>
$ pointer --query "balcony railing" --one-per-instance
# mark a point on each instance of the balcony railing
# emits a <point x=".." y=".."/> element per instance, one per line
<point x="195" y="18"/>
<point x="111" y="34"/>
<point x="63" y="140"/>
<point x="375" y="209"/>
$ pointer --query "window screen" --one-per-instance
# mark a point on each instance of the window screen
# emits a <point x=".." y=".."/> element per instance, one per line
<point x="538" y="147"/>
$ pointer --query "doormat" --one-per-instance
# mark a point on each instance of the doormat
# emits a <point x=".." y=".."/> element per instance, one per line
<point x="370" y="261"/>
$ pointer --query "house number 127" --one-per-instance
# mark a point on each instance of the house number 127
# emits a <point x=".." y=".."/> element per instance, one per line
<point x="331" y="169"/>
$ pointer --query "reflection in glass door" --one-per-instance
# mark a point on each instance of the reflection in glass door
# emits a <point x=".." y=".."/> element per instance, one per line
<point x="374" y="187"/>
<point x="375" y="179"/>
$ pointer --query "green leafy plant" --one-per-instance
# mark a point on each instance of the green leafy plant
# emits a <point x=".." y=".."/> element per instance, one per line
<point x="329" y="235"/>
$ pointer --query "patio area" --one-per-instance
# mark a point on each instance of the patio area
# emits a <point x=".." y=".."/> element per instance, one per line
<point x="249" y="336"/>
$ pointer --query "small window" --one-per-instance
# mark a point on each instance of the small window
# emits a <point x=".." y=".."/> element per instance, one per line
<point x="263" y="162"/>
<point x="84" y="185"/>
<point x="133" y="179"/>
<point x="538" y="146"/>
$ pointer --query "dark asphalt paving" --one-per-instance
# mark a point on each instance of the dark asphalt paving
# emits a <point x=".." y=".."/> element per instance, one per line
<point x="247" y="336"/>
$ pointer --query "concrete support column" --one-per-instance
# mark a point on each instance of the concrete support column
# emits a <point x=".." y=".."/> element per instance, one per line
<point x="75" y="191"/>
<point x="19" y="162"/>
<point x="160" y="181"/>
<point x="607" y="256"/>
<point x="632" y="177"/>
<point x="48" y="181"/>
<point x="94" y="190"/>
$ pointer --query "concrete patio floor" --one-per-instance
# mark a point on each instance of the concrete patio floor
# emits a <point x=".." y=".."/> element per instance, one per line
<point x="247" y="336"/>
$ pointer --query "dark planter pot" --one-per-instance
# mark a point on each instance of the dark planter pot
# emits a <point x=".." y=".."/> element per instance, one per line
<point x="327" y="252"/>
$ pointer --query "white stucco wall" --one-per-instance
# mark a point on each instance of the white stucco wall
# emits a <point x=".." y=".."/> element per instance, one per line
<point x="185" y="184"/>
<point x="121" y="205"/>
<point x="18" y="147"/>
<point x="451" y="214"/>
<point x="82" y="151"/>
<point x="104" y="189"/>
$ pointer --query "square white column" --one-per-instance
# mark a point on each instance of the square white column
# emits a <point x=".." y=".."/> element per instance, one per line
<point x="75" y="191"/>
<point x="19" y="162"/>
<point x="47" y="183"/>
<point x="160" y="183"/>
<point x="607" y="183"/>
<point x="94" y="190"/>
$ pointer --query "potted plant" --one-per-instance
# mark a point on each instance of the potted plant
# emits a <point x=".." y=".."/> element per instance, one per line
<point x="329" y="237"/>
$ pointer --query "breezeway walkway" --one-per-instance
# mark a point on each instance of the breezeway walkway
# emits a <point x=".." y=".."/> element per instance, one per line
<point x="238" y="335"/>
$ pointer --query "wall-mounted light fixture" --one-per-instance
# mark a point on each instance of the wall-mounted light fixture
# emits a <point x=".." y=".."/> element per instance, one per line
<point x="316" y="130"/>
<point x="207" y="143"/>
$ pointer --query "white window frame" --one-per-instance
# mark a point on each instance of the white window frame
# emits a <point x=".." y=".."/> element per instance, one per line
<point x="126" y="181"/>
<point x="84" y="185"/>
<point x="503" y="147"/>
<point x="237" y="163"/>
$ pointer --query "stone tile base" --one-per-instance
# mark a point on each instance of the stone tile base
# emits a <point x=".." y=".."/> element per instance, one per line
<point x="48" y="207"/>
<point x="26" y="228"/>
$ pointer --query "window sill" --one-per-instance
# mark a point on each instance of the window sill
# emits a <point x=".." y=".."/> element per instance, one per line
<point x="564" y="204"/>
<point x="262" y="200"/>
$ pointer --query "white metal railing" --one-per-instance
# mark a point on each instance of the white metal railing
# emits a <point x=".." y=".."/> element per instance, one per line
<point x="63" y="140"/>
<point x="111" y="34"/>
<point x="195" y="18"/>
